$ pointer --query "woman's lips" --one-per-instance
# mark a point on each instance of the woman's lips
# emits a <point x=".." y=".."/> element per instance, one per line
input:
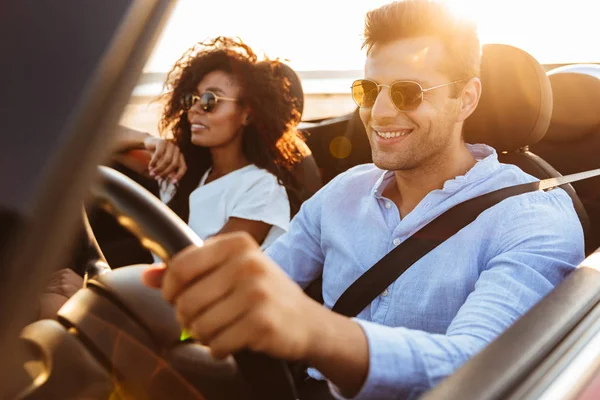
<point x="198" y="127"/>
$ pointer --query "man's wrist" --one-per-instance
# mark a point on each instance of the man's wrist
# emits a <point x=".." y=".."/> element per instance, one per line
<point x="339" y="350"/>
<point x="323" y="324"/>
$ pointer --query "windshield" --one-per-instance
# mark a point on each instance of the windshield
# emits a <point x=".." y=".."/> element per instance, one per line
<point x="321" y="40"/>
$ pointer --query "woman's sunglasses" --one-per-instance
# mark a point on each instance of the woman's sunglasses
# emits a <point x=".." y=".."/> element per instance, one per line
<point x="208" y="100"/>
<point x="406" y="95"/>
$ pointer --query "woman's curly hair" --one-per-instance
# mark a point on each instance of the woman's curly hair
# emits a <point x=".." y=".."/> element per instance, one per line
<point x="270" y="138"/>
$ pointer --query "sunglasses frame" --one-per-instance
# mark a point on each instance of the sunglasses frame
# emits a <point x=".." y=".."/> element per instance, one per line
<point x="423" y="90"/>
<point x="196" y="98"/>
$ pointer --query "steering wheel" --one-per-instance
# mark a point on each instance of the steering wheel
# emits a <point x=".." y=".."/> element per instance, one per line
<point x="119" y="337"/>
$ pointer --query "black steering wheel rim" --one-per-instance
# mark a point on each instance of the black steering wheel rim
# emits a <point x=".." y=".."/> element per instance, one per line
<point x="161" y="231"/>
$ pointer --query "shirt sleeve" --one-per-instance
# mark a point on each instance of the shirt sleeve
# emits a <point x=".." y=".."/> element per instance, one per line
<point x="262" y="199"/>
<point x="535" y="249"/>
<point x="299" y="252"/>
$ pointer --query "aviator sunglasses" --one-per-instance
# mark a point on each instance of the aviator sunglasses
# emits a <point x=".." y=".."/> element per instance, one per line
<point x="406" y="95"/>
<point x="208" y="100"/>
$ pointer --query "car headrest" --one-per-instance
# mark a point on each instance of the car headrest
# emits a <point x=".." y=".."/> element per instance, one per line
<point x="576" y="106"/>
<point x="516" y="100"/>
<point x="296" y="90"/>
<point x="295" y="85"/>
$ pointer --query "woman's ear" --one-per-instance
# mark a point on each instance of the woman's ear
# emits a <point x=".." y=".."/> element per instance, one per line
<point x="246" y="116"/>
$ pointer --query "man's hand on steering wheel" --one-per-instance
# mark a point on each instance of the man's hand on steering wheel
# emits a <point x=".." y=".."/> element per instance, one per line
<point x="230" y="296"/>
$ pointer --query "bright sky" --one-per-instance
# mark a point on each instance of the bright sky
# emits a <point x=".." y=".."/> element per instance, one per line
<point x="326" y="34"/>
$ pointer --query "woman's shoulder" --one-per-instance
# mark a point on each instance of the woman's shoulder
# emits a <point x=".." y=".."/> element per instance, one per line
<point x="252" y="175"/>
<point x="256" y="186"/>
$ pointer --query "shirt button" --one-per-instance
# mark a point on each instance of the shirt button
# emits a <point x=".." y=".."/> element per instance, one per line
<point x="388" y="205"/>
<point x="396" y="242"/>
<point x="427" y="204"/>
<point x="385" y="293"/>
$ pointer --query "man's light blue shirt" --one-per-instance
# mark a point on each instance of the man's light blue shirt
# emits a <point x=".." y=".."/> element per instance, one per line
<point x="456" y="299"/>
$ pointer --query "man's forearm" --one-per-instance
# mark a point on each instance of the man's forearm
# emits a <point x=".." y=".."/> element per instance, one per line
<point x="341" y="352"/>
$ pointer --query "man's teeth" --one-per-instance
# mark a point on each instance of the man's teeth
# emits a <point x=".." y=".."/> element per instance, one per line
<point x="389" y="135"/>
<point x="198" y="126"/>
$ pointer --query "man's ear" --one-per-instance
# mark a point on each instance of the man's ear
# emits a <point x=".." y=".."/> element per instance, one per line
<point x="469" y="98"/>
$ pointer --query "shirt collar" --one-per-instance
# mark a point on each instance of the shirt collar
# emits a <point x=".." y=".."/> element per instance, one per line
<point x="487" y="162"/>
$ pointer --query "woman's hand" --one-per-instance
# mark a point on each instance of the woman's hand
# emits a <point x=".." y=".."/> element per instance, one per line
<point x="167" y="161"/>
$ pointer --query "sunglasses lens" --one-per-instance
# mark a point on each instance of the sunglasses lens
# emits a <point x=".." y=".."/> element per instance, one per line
<point x="364" y="93"/>
<point x="208" y="101"/>
<point x="406" y="96"/>
<point x="187" y="101"/>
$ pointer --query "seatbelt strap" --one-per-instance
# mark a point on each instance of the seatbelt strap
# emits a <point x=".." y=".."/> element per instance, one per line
<point x="389" y="268"/>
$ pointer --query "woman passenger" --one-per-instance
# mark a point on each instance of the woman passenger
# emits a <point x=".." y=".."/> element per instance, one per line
<point x="229" y="165"/>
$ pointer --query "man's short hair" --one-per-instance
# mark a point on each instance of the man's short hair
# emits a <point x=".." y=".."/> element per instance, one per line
<point x="416" y="18"/>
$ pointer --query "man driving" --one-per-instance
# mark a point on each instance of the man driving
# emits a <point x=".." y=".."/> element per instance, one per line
<point x="421" y="83"/>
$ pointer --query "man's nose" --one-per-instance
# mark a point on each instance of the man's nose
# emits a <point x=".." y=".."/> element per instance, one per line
<point x="383" y="108"/>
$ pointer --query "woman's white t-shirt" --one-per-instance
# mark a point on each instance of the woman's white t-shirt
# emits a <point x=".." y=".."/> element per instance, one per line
<point x="249" y="193"/>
